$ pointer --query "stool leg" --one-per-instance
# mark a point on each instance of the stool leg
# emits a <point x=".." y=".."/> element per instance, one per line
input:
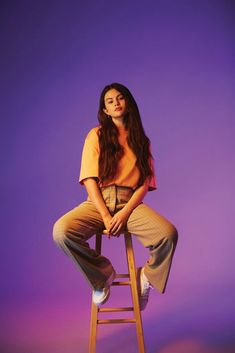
<point x="134" y="291"/>
<point x="94" y="308"/>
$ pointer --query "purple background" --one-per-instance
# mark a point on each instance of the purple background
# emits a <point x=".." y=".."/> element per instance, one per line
<point x="177" y="58"/>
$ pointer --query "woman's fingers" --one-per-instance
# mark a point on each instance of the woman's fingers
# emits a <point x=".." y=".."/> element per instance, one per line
<point x="117" y="223"/>
<point x="118" y="230"/>
<point x="115" y="227"/>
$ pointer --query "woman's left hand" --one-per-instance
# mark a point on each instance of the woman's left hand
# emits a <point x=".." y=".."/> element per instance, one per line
<point x="118" y="222"/>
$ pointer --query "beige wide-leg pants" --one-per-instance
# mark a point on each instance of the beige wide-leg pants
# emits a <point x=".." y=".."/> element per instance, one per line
<point x="155" y="232"/>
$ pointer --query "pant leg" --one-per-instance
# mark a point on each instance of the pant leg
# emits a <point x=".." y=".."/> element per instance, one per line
<point x="71" y="233"/>
<point x="160" y="236"/>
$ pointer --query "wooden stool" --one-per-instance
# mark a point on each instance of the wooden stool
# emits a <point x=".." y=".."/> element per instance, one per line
<point x="95" y="310"/>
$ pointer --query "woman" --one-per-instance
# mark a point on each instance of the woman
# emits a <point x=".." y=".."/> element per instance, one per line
<point x="117" y="171"/>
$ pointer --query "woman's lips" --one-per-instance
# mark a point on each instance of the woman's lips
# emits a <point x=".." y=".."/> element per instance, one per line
<point x="118" y="109"/>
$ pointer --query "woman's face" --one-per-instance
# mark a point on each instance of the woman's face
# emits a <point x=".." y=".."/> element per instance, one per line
<point x="115" y="104"/>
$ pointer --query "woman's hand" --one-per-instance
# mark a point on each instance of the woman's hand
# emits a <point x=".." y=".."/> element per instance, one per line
<point x="107" y="220"/>
<point x="118" y="222"/>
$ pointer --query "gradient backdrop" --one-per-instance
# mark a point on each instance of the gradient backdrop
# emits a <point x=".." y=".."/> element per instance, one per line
<point x="177" y="58"/>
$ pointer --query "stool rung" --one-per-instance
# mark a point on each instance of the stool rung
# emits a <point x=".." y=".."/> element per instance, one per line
<point x="116" y="321"/>
<point x="107" y="310"/>
<point x="122" y="275"/>
<point x="121" y="283"/>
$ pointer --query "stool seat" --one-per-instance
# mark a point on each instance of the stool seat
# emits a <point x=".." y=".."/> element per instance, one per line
<point x="130" y="280"/>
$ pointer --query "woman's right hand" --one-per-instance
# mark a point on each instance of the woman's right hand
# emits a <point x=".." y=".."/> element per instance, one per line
<point x="107" y="220"/>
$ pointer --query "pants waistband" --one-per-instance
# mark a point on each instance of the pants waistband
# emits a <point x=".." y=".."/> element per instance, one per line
<point x="117" y="187"/>
<point x="116" y="196"/>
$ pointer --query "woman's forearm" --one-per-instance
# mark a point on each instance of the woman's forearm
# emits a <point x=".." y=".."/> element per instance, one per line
<point x="136" y="198"/>
<point x="96" y="196"/>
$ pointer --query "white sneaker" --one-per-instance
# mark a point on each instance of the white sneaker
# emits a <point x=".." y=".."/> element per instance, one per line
<point x="100" y="297"/>
<point x="145" y="287"/>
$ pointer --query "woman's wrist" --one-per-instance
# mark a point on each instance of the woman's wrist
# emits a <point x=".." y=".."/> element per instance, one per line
<point x="105" y="213"/>
<point x="128" y="208"/>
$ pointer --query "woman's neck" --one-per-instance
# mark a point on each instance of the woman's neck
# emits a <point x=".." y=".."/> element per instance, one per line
<point x="119" y="123"/>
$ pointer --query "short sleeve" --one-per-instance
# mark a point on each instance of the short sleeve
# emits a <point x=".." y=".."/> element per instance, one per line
<point x="90" y="156"/>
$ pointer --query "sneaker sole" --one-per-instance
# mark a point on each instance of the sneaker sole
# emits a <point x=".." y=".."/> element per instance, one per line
<point x="104" y="300"/>
<point x="141" y="304"/>
<point x="108" y="284"/>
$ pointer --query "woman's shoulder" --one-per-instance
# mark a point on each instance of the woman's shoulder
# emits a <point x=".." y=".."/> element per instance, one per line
<point x="93" y="133"/>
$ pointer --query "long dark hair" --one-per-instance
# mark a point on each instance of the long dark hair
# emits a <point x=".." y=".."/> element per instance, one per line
<point x="110" y="149"/>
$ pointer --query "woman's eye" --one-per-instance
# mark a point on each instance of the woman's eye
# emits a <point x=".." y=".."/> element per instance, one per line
<point x="119" y="98"/>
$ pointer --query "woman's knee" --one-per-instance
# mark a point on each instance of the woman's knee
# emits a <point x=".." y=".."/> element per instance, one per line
<point x="172" y="234"/>
<point x="59" y="231"/>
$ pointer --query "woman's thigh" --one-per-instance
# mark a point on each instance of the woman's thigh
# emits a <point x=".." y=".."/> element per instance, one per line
<point x="83" y="220"/>
<point x="150" y="226"/>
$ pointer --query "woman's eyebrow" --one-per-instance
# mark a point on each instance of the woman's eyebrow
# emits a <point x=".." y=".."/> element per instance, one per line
<point x="113" y="97"/>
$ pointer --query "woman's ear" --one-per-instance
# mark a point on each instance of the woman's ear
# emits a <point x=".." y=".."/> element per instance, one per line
<point x="105" y="111"/>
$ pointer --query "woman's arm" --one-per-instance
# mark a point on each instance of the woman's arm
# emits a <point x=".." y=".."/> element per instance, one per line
<point x="119" y="220"/>
<point x="97" y="198"/>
